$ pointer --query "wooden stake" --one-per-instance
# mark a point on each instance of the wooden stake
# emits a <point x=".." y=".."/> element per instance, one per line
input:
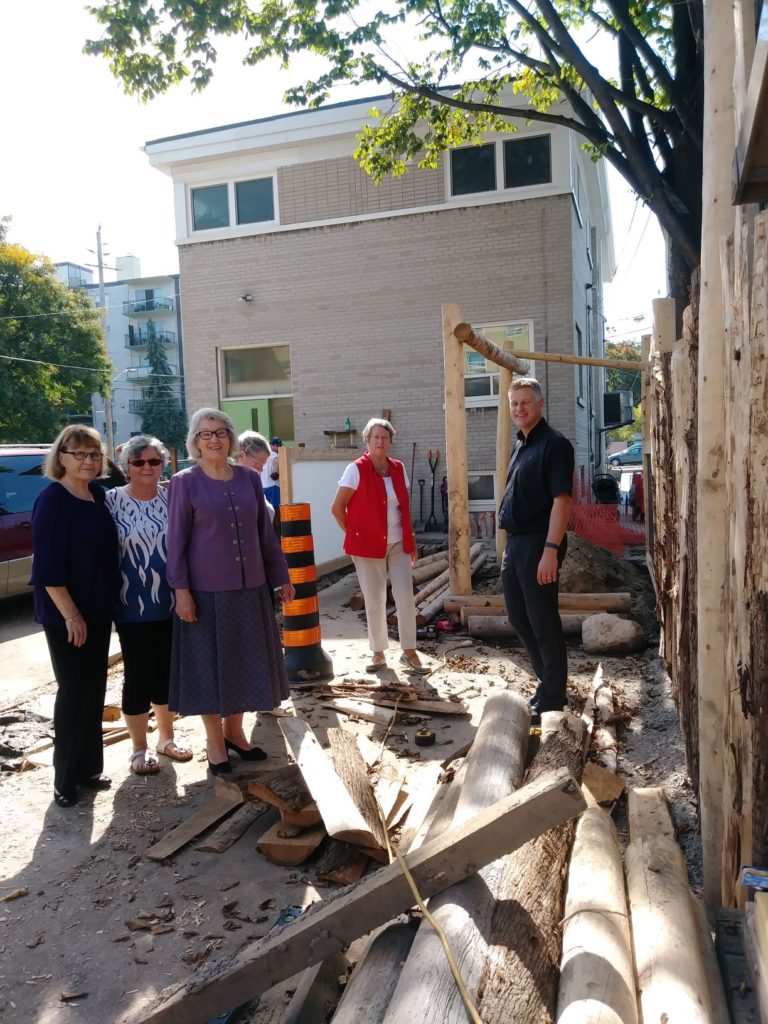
<point x="514" y="362"/>
<point x="456" y="453"/>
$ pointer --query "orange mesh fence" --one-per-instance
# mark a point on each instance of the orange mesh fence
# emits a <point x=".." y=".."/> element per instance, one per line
<point x="615" y="524"/>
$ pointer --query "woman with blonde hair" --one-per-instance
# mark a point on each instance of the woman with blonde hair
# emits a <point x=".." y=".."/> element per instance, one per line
<point x="372" y="508"/>
<point x="224" y="558"/>
<point x="75" y="579"/>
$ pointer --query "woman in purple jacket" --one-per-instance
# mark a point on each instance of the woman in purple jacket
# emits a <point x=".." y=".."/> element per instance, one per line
<point x="224" y="558"/>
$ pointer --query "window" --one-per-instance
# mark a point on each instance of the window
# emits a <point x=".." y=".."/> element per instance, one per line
<point x="527" y="162"/>
<point x="473" y="169"/>
<point x="21" y="480"/>
<point x="210" y="207"/>
<point x="481" y="491"/>
<point x="481" y="377"/>
<point x="257" y="372"/>
<point x="254" y="201"/>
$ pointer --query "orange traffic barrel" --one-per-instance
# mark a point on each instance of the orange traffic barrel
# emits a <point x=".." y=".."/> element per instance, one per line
<point x="305" y="658"/>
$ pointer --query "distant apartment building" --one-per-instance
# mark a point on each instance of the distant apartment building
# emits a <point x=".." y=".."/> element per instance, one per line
<point x="137" y="308"/>
<point x="312" y="297"/>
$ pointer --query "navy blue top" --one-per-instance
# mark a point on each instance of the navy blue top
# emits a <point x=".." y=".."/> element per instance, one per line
<point x="540" y="468"/>
<point x="74" y="546"/>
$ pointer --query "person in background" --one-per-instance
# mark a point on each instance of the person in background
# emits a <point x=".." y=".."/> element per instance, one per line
<point x="270" y="475"/>
<point x="534" y="511"/>
<point x="372" y="508"/>
<point x="75" y="579"/>
<point x="223" y="559"/>
<point x="145" y="610"/>
<point x="254" y="452"/>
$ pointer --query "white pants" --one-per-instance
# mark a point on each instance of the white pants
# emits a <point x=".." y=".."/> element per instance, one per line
<point x="372" y="574"/>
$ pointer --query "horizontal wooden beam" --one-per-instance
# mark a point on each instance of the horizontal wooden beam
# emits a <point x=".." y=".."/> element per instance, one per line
<point x="513" y="361"/>
<point x="332" y="923"/>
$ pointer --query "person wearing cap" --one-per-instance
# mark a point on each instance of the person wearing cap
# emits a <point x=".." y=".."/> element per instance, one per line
<point x="534" y="511"/>
<point x="270" y="474"/>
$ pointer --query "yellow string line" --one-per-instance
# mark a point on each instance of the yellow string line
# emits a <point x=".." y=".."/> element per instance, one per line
<point x="463" y="991"/>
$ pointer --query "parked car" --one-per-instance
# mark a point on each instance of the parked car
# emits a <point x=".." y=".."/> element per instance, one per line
<point x="21" y="480"/>
<point x="631" y="456"/>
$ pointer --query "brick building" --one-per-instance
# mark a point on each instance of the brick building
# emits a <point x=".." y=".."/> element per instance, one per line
<point x="312" y="297"/>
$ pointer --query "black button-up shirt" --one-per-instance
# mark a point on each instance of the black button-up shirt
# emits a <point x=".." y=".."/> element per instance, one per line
<point x="541" y="467"/>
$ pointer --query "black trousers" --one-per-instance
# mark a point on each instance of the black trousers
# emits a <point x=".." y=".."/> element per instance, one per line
<point x="533" y="611"/>
<point x="146" y="648"/>
<point x="81" y="672"/>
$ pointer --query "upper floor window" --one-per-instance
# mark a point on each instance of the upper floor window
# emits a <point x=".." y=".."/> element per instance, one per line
<point x="481" y="377"/>
<point x="527" y="161"/>
<point x="210" y="207"/>
<point x="473" y="169"/>
<point x="254" y="200"/>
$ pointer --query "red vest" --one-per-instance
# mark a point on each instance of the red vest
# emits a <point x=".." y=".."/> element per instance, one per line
<point x="367" y="511"/>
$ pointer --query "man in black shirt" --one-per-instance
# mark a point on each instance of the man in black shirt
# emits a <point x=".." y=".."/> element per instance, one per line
<point x="534" y="511"/>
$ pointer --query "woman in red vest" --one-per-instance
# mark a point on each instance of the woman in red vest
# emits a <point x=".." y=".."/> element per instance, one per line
<point x="371" y="507"/>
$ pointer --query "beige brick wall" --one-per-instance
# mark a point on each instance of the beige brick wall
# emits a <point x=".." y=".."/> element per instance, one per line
<point x="359" y="305"/>
<point x="324" y="189"/>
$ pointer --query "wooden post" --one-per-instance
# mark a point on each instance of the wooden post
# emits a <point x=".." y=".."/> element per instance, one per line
<point x="456" y="453"/>
<point x="503" y="437"/>
<point x="712" y="517"/>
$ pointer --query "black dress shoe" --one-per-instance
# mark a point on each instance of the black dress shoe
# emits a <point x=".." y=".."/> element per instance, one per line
<point x="62" y="800"/>
<point x="222" y="768"/>
<point x="97" y="782"/>
<point x="254" y="754"/>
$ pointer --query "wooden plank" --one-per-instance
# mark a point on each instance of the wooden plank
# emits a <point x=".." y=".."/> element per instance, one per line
<point x="341" y="863"/>
<point x="717" y="1000"/>
<point x="605" y="786"/>
<point x="363" y="709"/>
<point x="230" y="830"/>
<point x="283" y="788"/>
<point x="428" y="707"/>
<point x="425" y="791"/>
<point x="456" y="453"/>
<point x="209" y="814"/>
<point x="387" y="790"/>
<point x="648" y="813"/>
<point x="375" y="976"/>
<point x="351" y="769"/>
<point x="342" y="818"/>
<point x="288" y="847"/>
<point x="309" y="815"/>
<point x="327" y="926"/>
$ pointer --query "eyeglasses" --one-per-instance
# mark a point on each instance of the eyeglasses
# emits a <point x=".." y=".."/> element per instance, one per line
<point x="82" y="456"/>
<point x="206" y="435"/>
<point x="145" y="462"/>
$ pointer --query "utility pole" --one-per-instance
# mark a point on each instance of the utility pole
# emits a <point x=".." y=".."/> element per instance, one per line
<point x="103" y="306"/>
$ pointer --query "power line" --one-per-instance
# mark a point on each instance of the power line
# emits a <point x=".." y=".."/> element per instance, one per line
<point x="74" y="312"/>
<point x="88" y="369"/>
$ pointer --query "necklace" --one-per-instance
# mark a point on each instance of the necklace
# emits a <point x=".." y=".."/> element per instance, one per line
<point x="382" y="471"/>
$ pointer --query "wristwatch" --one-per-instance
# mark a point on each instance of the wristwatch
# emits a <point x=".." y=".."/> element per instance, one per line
<point x="551" y="544"/>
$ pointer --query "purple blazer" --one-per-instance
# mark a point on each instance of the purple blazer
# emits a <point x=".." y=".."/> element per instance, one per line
<point x="219" y="533"/>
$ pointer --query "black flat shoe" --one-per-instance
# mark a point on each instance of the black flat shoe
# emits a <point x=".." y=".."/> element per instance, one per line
<point x="97" y="782"/>
<point x="254" y="754"/>
<point x="64" y="801"/>
<point x="222" y="768"/>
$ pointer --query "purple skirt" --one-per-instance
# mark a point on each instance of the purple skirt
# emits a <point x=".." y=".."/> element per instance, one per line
<point x="231" y="659"/>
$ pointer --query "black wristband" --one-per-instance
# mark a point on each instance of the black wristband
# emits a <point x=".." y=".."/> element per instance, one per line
<point x="551" y="544"/>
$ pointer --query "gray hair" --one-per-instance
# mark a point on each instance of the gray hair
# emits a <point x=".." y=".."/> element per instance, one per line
<point x="526" y="382"/>
<point x="77" y="434"/>
<point x="193" y="449"/>
<point x="250" y="440"/>
<point x="132" y="449"/>
<point x="377" y="421"/>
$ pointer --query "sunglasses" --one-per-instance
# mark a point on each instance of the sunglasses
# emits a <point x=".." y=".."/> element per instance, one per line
<point x="145" y="462"/>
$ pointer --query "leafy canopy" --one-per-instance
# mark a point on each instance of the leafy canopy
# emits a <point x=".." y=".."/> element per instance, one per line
<point x="43" y="320"/>
<point x="625" y="74"/>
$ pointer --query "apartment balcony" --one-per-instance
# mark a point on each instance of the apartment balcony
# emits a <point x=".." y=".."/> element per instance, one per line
<point x="142" y="372"/>
<point x="139" y="339"/>
<point x="135" y="307"/>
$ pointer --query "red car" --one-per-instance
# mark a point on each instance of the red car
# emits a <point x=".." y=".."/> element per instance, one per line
<point x="21" y="480"/>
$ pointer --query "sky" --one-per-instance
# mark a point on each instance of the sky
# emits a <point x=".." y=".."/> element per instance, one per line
<point x="72" y="154"/>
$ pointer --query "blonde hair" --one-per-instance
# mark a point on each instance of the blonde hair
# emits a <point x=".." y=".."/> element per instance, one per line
<point x="76" y="434"/>
<point x="193" y="449"/>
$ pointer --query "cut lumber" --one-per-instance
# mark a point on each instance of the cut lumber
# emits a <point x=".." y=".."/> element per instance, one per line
<point x="307" y="816"/>
<point x="327" y="926"/>
<point x="363" y="709"/>
<point x="427" y="786"/>
<point x="523" y="963"/>
<point x="438" y="556"/>
<point x="340" y="815"/>
<point x="426" y="990"/>
<point x="421" y="573"/>
<point x="283" y="788"/>
<point x="597" y="978"/>
<point x="352" y="770"/>
<point x="717" y="1001"/>
<point x="388" y="790"/>
<point x="235" y="826"/>
<point x="375" y="976"/>
<point x="428" y="707"/>
<point x="431" y="608"/>
<point x="443" y="578"/>
<point x="224" y="803"/>
<point x="648" y="814"/>
<point x="291" y="849"/>
<point x="605" y="786"/>
<point x="499" y="625"/>
<point x="341" y="863"/>
<point x="670" y="970"/>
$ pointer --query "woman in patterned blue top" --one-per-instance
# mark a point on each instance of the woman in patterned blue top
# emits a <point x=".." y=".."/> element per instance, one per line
<point x="143" y="619"/>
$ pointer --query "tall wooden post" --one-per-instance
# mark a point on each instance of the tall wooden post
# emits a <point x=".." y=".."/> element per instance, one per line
<point x="712" y="527"/>
<point x="503" y="431"/>
<point x="456" y="454"/>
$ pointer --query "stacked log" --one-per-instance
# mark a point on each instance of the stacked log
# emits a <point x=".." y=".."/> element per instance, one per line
<point x="429" y="600"/>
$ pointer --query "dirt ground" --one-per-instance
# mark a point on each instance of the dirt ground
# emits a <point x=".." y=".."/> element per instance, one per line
<point x="68" y="952"/>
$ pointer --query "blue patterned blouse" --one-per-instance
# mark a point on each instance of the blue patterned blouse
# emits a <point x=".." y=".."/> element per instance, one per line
<point x="142" y="528"/>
